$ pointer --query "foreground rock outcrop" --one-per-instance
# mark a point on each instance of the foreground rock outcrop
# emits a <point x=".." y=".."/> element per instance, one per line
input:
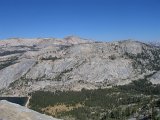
<point x="73" y="63"/>
<point x="11" y="111"/>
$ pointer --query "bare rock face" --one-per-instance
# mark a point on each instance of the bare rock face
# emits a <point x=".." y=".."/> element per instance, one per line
<point x="155" y="79"/>
<point x="72" y="63"/>
<point x="8" y="76"/>
<point x="11" y="111"/>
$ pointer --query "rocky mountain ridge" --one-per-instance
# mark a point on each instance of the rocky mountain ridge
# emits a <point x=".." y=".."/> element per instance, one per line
<point x="73" y="63"/>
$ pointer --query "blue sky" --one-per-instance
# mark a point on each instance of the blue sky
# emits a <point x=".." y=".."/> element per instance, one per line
<point x="104" y="20"/>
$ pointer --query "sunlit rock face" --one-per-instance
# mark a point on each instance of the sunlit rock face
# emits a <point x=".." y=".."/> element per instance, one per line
<point x="72" y="63"/>
<point x="12" y="111"/>
<point x="155" y="79"/>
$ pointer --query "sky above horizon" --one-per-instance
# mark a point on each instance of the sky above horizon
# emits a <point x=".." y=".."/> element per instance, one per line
<point x="104" y="20"/>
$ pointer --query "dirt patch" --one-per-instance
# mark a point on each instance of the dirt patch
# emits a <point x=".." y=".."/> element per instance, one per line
<point x="54" y="110"/>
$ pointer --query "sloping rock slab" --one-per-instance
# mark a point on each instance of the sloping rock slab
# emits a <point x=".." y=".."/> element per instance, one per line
<point x="11" y="111"/>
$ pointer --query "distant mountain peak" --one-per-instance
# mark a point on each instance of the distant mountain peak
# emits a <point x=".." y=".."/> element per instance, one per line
<point x="76" y="40"/>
